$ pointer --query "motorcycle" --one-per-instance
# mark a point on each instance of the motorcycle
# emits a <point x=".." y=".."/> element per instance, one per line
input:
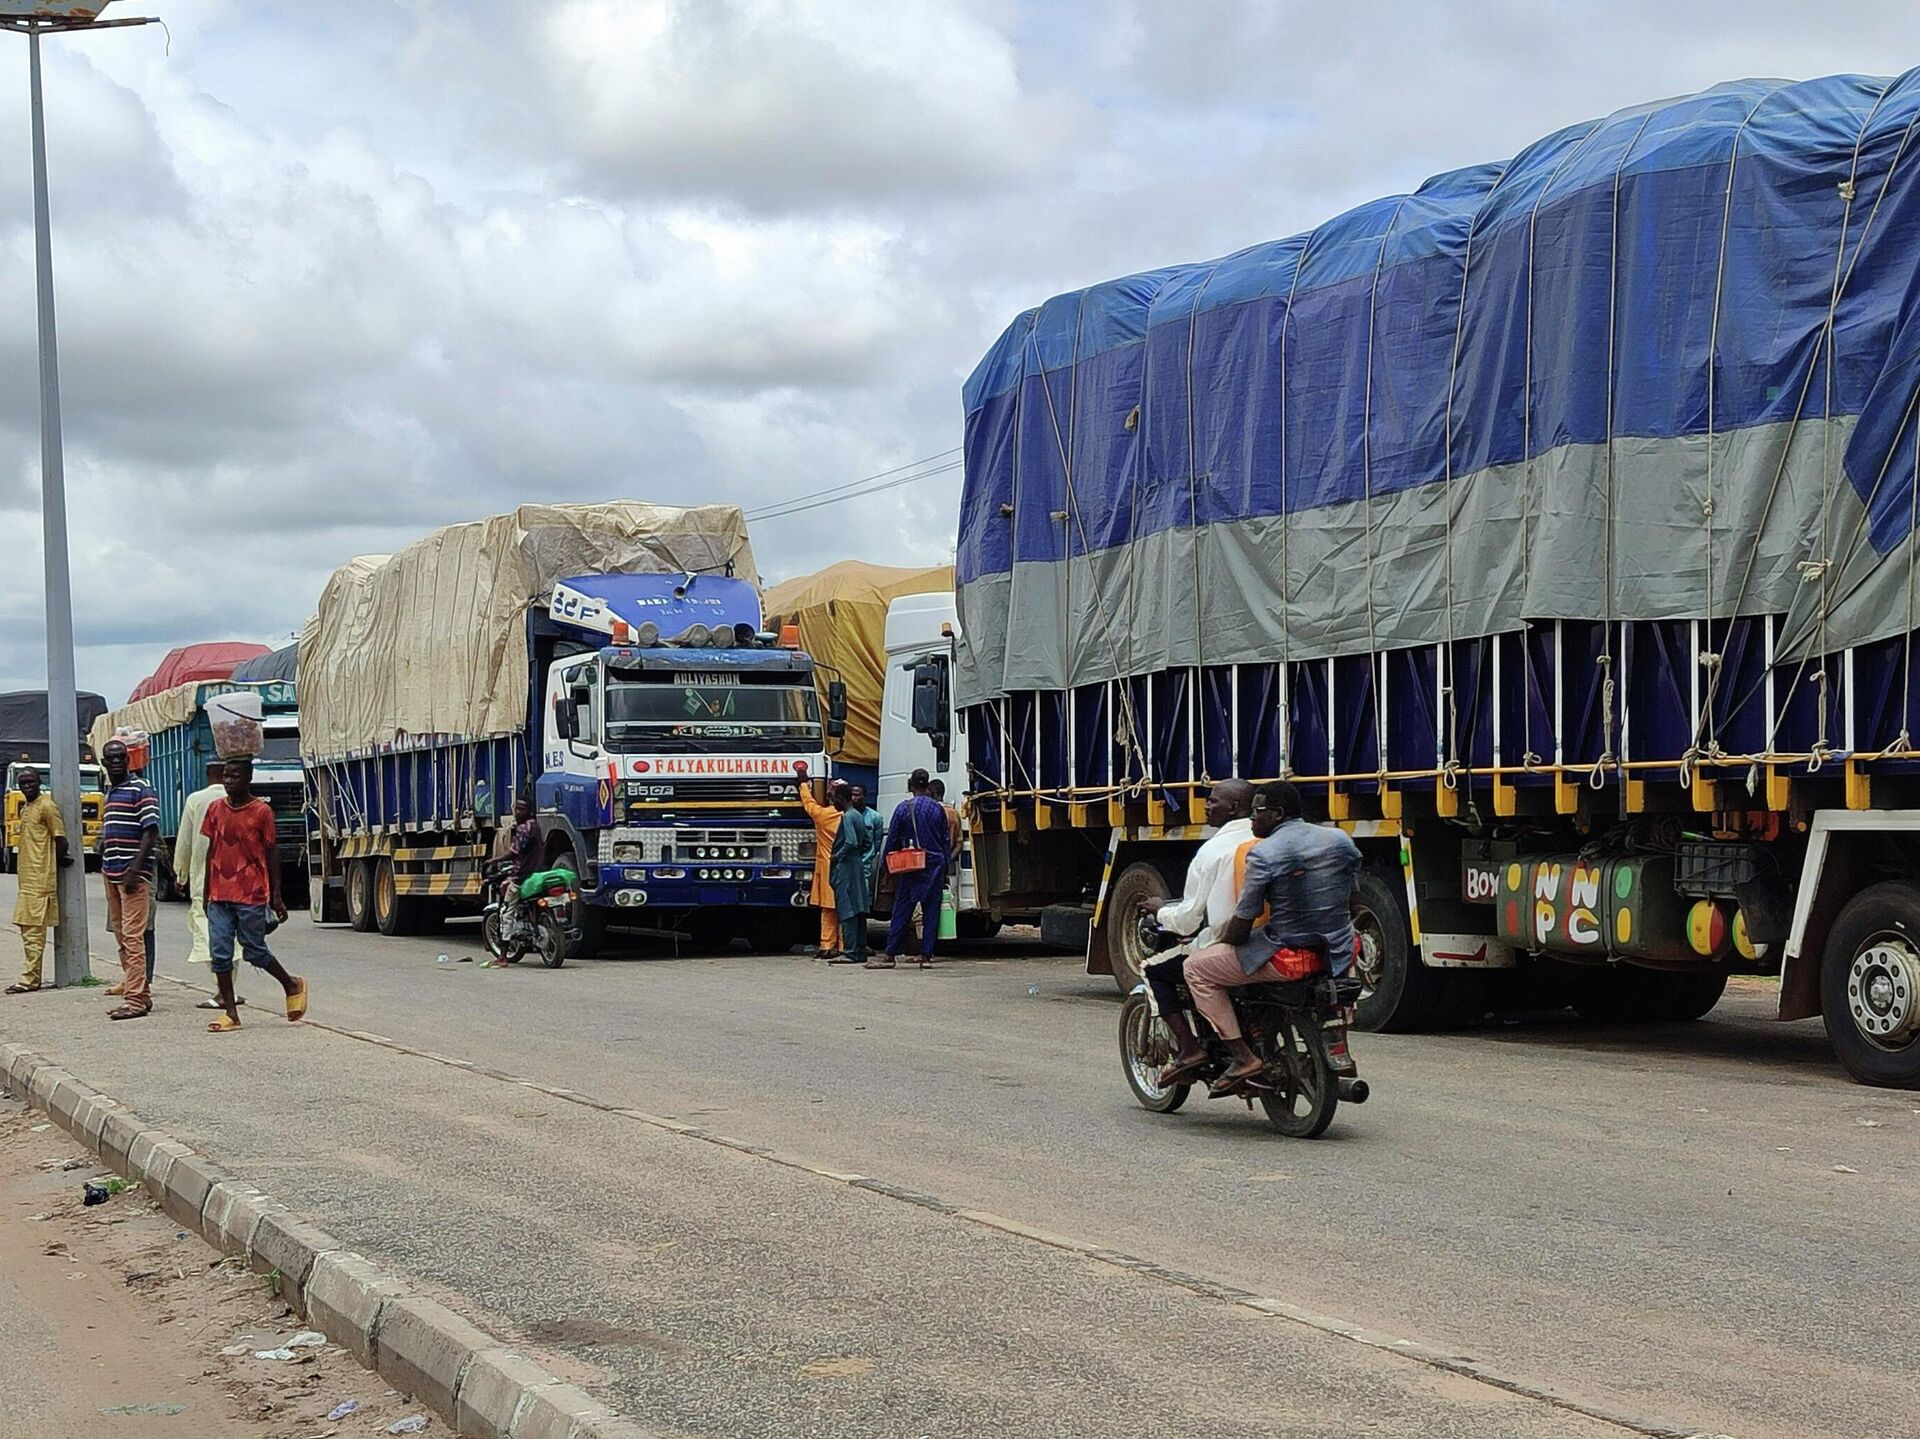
<point x="535" y="915"/>
<point x="1297" y="1027"/>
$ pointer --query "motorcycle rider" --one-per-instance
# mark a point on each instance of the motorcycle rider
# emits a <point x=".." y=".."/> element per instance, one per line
<point x="1304" y="877"/>
<point x="1204" y="905"/>
<point x="525" y="843"/>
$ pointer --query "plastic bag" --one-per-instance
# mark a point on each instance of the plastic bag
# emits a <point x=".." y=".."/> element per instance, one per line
<point x="237" y="731"/>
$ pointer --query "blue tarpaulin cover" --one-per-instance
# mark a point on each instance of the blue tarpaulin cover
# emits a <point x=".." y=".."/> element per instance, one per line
<point x="1662" y="365"/>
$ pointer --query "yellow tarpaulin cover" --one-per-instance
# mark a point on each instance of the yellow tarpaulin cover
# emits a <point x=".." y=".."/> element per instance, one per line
<point x="842" y="614"/>
<point x="433" y="640"/>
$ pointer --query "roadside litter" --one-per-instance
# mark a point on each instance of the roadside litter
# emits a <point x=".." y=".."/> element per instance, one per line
<point x="412" y="1424"/>
<point x="342" y="1409"/>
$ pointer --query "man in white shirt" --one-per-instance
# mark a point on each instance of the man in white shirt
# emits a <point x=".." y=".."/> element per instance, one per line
<point x="1206" y="903"/>
<point x="190" y="860"/>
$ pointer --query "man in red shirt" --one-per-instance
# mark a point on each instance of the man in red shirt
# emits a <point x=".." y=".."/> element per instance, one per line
<point x="243" y="882"/>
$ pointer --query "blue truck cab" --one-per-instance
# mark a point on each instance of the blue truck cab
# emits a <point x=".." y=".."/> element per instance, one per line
<point x="669" y="725"/>
<point x="657" y="747"/>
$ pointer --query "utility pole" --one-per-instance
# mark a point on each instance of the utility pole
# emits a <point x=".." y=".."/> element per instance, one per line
<point x="34" y="18"/>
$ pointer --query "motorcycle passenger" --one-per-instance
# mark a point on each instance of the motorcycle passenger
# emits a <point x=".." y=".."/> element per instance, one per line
<point x="1204" y="905"/>
<point x="1304" y="875"/>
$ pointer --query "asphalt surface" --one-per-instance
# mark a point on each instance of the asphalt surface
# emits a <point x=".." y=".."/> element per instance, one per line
<point x="1703" y="1226"/>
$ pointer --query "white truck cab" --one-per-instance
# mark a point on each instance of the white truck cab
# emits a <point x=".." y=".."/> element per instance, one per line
<point x="921" y="634"/>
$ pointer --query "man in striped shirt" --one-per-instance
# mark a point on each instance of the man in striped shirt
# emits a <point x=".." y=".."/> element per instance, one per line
<point x="129" y="833"/>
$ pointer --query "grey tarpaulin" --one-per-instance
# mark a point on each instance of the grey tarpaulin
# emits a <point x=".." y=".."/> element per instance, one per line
<point x="281" y="664"/>
<point x="23" y="723"/>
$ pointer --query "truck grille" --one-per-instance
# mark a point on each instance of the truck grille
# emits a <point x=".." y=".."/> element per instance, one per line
<point x="680" y="845"/>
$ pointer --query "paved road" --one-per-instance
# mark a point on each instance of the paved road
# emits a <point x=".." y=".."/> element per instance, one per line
<point x="1707" y="1225"/>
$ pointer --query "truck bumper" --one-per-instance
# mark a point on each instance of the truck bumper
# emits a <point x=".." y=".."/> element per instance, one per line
<point x="702" y="886"/>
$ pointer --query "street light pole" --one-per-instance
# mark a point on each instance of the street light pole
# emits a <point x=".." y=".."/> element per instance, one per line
<point x="63" y="712"/>
<point x="63" y="708"/>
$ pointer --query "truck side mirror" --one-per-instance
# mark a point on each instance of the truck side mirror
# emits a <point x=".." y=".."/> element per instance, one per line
<point x="929" y="714"/>
<point x="837" y="709"/>
<point x="930" y="707"/>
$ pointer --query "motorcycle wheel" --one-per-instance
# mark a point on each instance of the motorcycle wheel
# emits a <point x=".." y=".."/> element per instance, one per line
<point x="1308" y="1093"/>
<point x="1146" y="1047"/>
<point x="550" y="940"/>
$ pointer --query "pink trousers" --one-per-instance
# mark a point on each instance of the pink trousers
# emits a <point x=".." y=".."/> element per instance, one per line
<point x="1210" y="973"/>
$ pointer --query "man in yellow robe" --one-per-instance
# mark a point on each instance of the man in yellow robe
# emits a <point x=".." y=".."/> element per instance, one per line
<point x="43" y="848"/>
<point x="826" y="825"/>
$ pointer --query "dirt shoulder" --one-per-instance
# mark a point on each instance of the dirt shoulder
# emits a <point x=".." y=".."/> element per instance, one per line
<point x="120" y="1323"/>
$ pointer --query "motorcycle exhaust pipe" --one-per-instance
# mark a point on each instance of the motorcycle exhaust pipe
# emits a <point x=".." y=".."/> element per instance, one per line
<point x="1354" y="1091"/>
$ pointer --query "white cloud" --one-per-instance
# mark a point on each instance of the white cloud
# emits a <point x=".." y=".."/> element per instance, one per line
<point x="781" y="104"/>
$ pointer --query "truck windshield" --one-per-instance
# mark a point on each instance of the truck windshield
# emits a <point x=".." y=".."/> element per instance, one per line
<point x="92" y="777"/>
<point x="711" y="718"/>
<point x="282" y="746"/>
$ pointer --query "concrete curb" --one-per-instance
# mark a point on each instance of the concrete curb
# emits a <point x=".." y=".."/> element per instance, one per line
<point x="481" y="1387"/>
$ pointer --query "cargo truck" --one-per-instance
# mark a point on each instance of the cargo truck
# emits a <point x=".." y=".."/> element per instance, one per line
<point x="1552" y="528"/>
<point x="651" y="721"/>
<point x="181" y="749"/>
<point x="92" y="798"/>
<point x="24" y="743"/>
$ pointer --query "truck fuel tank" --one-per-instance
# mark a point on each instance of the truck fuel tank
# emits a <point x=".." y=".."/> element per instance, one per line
<point x="1597" y="908"/>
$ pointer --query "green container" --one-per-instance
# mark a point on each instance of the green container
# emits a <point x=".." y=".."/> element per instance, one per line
<point x="1594" y="909"/>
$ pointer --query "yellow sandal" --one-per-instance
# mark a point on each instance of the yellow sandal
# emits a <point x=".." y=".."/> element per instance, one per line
<point x="223" y="1025"/>
<point x="297" y="1002"/>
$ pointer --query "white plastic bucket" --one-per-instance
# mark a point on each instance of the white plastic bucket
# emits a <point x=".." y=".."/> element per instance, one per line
<point x="235" y="718"/>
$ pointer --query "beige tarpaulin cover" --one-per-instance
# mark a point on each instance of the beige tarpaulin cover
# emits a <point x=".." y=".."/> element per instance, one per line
<point x="842" y="614"/>
<point x="152" y="714"/>
<point x="433" y="640"/>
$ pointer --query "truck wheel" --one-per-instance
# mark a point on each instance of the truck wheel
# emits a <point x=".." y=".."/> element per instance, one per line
<point x="360" y="894"/>
<point x="975" y="926"/>
<point x="1398" y="993"/>
<point x="1116" y="938"/>
<point x="390" y="912"/>
<point x="1870" y="985"/>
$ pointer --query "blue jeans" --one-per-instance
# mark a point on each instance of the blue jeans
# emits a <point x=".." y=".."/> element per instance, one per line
<point x="226" y="922"/>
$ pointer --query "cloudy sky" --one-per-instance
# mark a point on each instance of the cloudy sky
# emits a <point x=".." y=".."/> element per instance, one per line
<point x="331" y="274"/>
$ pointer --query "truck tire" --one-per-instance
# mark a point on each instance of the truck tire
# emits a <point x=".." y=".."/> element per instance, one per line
<point x="1115" y="940"/>
<point x="391" y="912"/>
<point x="359" y="886"/>
<point x="1399" y="994"/>
<point x="1870" y="985"/>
